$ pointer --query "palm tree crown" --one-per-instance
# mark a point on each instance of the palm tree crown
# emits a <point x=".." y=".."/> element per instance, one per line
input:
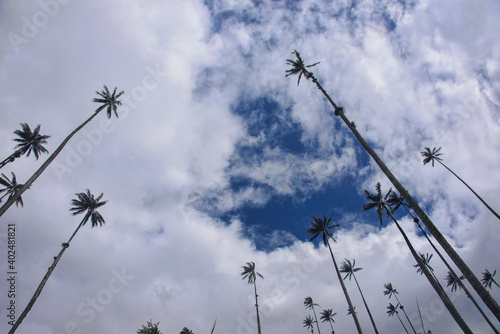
<point x="348" y="268"/>
<point x="327" y="315"/>
<point x="453" y="281"/>
<point x="425" y="259"/>
<point x="308" y="323"/>
<point x="250" y="273"/>
<point x="11" y="187"/>
<point x="29" y="141"/>
<point x="377" y="201"/>
<point x="322" y="226"/>
<point x="389" y="290"/>
<point x="298" y="67"/>
<point x="431" y="155"/>
<point x="87" y="202"/>
<point x="488" y="279"/>
<point x="108" y="100"/>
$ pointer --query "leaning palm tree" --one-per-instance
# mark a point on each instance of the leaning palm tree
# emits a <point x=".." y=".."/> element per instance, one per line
<point x="308" y="323"/>
<point x="299" y="67"/>
<point x="309" y="304"/>
<point x="434" y="155"/>
<point x="250" y="274"/>
<point x="389" y="290"/>
<point x="327" y="315"/>
<point x="28" y="141"/>
<point x="391" y="310"/>
<point x="109" y="101"/>
<point x="453" y="279"/>
<point x="11" y="188"/>
<point x="323" y="227"/>
<point x="349" y="269"/>
<point x="488" y="278"/>
<point x="381" y="204"/>
<point x="84" y="203"/>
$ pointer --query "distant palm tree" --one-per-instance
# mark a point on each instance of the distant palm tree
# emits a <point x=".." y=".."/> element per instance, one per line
<point x="389" y="290"/>
<point x="454" y="281"/>
<point x="109" y="101"/>
<point x="309" y="304"/>
<point x="11" y="188"/>
<point x="323" y="227"/>
<point x="85" y="203"/>
<point x="150" y="328"/>
<point x="426" y="259"/>
<point x="299" y="67"/>
<point x="327" y="315"/>
<point x="433" y="155"/>
<point x="349" y="269"/>
<point x="28" y="141"/>
<point x="488" y="279"/>
<point x="394" y="310"/>
<point x="381" y="204"/>
<point x="186" y="330"/>
<point x="250" y="274"/>
<point x="308" y="323"/>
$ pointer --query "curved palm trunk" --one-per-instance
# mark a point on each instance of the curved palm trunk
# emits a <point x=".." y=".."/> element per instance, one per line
<point x="459" y="281"/>
<point x="406" y="315"/>
<point x="354" y="316"/>
<point x="256" y="305"/>
<point x="44" y="280"/>
<point x="366" y="306"/>
<point x="331" y="326"/>
<point x="439" y="290"/>
<point x="40" y="170"/>
<point x="402" y="324"/>
<point x="479" y="197"/>
<point x="469" y="275"/>
<point x="316" y="318"/>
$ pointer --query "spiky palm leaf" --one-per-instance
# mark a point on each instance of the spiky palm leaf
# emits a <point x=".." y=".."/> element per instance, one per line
<point x="322" y="226"/>
<point x="108" y="100"/>
<point x="29" y="141"/>
<point x="327" y="315"/>
<point x="377" y="202"/>
<point x="431" y="155"/>
<point x="348" y="268"/>
<point x="425" y="259"/>
<point x="453" y="281"/>
<point x="389" y="290"/>
<point x="298" y="67"/>
<point x="11" y="187"/>
<point x="250" y="273"/>
<point x="308" y="323"/>
<point x="87" y="202"/>
<point x="488" y="279"/>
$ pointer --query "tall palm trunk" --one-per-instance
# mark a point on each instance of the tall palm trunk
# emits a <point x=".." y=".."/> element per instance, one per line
<point x="479" y="197"/>
<point x="45" y="278"/>
<point x="403" y="309"/>
<point x="351" y="308"/>
<point x="469" y="275"/>
<point x="439" y="290"/>
<point x="316" y="318"/>
<point x="40" y="170"/>
<point x="366" y="305"/>
<point x="257" y="305"/>
<point x="402" y="324"/>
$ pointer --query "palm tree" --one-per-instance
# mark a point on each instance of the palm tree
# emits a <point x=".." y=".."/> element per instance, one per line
<point x="11" y="188"/>
<point x="250" y="274"/>
<point x="488" y="279"/>
<point x="349" y="269"/>
<point x="426" y="259"/>
<point x="323" y="227"/>
<point x="433" y="155"/>
<point x="380" y="204"/>
<point x="389" y="290"/>
<point x="391" y="310"/>
<point x="85" y="203"/>
<point x="186" y="330"/>
<point x="150" y="328"/>
<point x="308" y="323"/>
<point x="452" y="278"/>
<point x="298" y="67"/>
<point x="309" y="304"/>
<point x="327" y="315"/>
<point x="109" y="101"/>
<point x="28" y="141"/>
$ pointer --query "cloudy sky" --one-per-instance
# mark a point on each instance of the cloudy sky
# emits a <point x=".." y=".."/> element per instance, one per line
<point x="217" y="159"/>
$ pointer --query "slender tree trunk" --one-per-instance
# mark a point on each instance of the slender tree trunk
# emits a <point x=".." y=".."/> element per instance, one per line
<point x="420" y="315"/>
<point x="366" y="305"/>
<point x="44" y="280"/>
<point x="40" y="170"/>
<point x="256" y="305"/>
<point x="11" y="157"/>
<point x="469" y="275"/>
<point x="406" y="315"/>
<point x="316" y="318"/>
<point x="351" y="308"/>
<point x="402" y="324"/>
<point x="479" y="197"/>
<point x="439" y="290"/>
<point x="331" y="326"/>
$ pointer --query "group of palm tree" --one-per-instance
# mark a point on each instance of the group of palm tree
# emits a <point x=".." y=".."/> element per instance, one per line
<point x="326" y="316"/>
<point x="31" y="141"/>
<point x="392" y="201"/>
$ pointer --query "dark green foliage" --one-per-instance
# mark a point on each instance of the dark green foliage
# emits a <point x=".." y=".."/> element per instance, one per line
<point x="109" y="101"/>
<point x="150" y="328"/>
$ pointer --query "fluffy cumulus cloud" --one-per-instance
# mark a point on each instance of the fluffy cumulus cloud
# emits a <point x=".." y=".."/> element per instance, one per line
<point x="209" y="126"/>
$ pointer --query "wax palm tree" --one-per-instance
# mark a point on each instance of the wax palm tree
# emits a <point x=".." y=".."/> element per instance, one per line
<point x="452" y="278"/>
<point x="349" y="269"/>
<point x="380" y="203"/>
<point x="85" y="203"/>
<point x="389" y="290"/>
<point x="250" y="274"/>
<point x="434" y="155"/>
<point x="327" y="315"/>
<point x="11" y="188"/>
<point x="323" y="226"/>
<point x="28" y="141"/>
<point x="308" y="323"/>
<point x="488" y="279"/>
<point x="108" y="100"/>
<point x="426" y="259"/>
<point x="309" y="304"/>
<point x="298" y="67"/>
<point x="186" y="330"/>
<point x="393" y="310"/>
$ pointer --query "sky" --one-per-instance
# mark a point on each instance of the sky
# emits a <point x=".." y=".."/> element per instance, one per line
<point x="217" y="159"/>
